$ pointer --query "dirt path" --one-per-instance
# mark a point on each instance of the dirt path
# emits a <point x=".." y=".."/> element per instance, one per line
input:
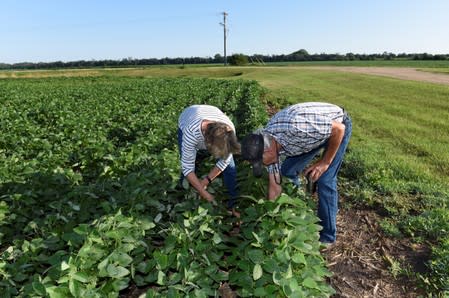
<point x="403" y="73"/>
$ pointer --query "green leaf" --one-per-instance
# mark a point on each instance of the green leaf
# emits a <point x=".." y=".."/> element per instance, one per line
<point x="293" y="284"/>
<point x="161" y="260"/>
<point x="256" y="255"/>
<point x="116" y="271"/>
<point x="120" y="284"/>
<point x="74" y="206"/>
<point x="116" y="234"/>
<point x="310" y="283"/>
<point x="257" y="272"/>
<point x="175" y="278"/>
<point x="39" y="288"/>
<point x="102" y="272"/>
<point x="270" y="265"/>
<point x="58" y="292"/>
<point x="147" y="225"/>
<point x="299" y="258"/>
<point x="185" y="184"/>
<point x="81" y="276"/>
<point x="158" y="218"/>
<point x="289" y="273"/>
<point x="242" y="279"/>
<point x="277" y="277"/>
<point x="216" y="239"/>
<point x="260" y="292"/>
<point x="82" y="229"/>
<point x="282" y="255"/>
<point x="161" y="278"/>
<point x="258" y="239"/>
<point x="121" y="258"/>
<point x="75" y="288"/>
<point x="64" y="266"/>
<point x="144" y="266"/>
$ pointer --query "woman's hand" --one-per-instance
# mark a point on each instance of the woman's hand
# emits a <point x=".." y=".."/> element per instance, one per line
<point x="204" y="182"/>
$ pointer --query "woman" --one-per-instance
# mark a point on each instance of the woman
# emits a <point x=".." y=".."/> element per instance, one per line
<point x="205" y="127"/>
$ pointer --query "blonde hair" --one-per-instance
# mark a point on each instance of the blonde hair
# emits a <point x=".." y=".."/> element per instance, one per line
<point x="221" y="140"/>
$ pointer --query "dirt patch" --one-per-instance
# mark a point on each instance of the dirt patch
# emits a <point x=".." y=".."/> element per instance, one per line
<point x="404" y="73"/>
<point x="362" y="259"/>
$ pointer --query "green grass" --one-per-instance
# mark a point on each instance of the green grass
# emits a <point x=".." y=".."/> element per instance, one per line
<point x="407" y="119"/>
<point x="438" y="70"/>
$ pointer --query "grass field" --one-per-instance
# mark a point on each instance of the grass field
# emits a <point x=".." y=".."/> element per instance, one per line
<point x="398" y="156"/>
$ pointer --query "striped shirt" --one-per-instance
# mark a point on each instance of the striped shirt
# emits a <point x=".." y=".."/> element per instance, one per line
<point x="303" y="127"/>
<point x="192" y="137"/>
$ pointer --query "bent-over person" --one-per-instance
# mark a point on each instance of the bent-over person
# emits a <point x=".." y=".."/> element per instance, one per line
<point x="205" y="127"/>
<point x="300" y="133"/>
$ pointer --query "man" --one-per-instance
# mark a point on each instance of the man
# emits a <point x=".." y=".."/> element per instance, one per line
<point x="204" y="127"/>
<point x="300" y="132"/>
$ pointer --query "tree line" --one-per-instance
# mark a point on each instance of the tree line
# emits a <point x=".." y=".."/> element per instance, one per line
<point x="236" y="59"/>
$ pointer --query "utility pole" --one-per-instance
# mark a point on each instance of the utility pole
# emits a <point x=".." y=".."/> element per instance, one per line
<point x="224" y="35"/>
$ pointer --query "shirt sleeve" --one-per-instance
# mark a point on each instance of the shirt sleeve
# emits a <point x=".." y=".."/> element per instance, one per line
<point x="223" y="163"/>
<point x="188" y="152"/>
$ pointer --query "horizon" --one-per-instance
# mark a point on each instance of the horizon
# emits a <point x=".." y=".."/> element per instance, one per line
<point x="206" y="57"/>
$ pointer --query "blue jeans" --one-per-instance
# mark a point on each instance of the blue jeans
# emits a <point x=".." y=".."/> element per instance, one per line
<point x="326" y="184"/>
<point x="229" y="176"/>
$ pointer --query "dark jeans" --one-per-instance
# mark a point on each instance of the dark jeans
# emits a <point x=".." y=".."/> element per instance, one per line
<point x="326" y="184"/>
<point x="229" y="176"/>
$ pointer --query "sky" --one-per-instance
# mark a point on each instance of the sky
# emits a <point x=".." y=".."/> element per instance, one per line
<point x="63" y="30"/>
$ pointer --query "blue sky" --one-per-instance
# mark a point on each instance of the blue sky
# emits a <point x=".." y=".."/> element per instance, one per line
<point x="62" y="30"/>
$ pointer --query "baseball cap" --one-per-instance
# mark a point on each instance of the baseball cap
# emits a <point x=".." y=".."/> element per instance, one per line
<point x="252" y="151"/>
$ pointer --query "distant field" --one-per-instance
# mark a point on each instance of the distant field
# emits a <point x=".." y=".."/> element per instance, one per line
<point x="216" y="70"/>
<point x="389" y="63"/>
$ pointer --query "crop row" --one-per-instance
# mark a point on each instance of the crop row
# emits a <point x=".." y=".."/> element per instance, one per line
<point x="88" y="168"/>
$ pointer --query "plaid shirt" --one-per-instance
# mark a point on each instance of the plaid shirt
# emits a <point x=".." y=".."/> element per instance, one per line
<point x="303" y="127"/>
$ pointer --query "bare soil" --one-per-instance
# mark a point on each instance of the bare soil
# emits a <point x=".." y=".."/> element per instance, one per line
<point x="362" y="258"/>
<point x="404" y="73"/>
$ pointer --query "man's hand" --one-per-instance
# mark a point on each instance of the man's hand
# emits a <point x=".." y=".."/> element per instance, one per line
<point x="316" y="170"/>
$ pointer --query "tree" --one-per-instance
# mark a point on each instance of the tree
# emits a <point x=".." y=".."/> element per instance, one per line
<point x="238" y="60"/>
<point x="218" y="58"/>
